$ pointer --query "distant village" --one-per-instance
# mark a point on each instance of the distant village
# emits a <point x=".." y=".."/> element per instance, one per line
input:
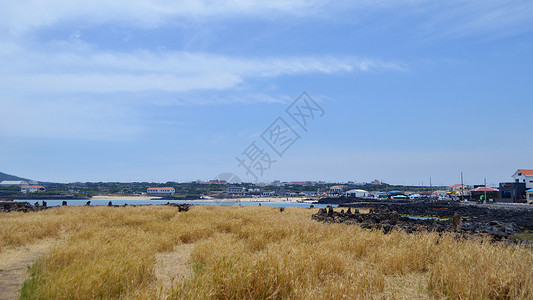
<point x="517" y="190"/>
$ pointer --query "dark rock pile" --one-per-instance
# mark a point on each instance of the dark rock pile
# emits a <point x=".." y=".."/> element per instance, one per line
<point x="386" y="220"/>
<point x="477" y="215"/>
<point x="10" y="206"/>
<point x="181" y="207"/>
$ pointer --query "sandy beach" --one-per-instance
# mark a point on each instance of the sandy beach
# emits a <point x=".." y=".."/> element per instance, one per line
<point x="100" y="197"/>
<point x="245" y="199"/>
<point x="264" y="199"/>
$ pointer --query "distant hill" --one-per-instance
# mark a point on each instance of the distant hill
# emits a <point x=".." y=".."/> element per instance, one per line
<point x="4" y="176"/>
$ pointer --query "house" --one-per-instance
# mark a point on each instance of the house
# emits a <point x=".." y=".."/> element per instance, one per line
<point x="236" y="191"/>
<point x="32" y="188"/>
<point x="216" y="181"/>
<point x="301" y="183"/>
<point x="440" y="195"/>
<point x="480" y="192"/>
<point x="381" y="196"/>
<point x="524" y="176"/>
<point x="336" y="190"/>
<point x="458" y="190"/>
<point x="512" y="192"/>
<point x="254" y="192"/>
<point x="529" y="194"/>
<point x="357" y="193"/>
<point x="161" y="191"/>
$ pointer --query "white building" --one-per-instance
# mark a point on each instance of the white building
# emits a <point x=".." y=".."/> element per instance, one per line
<point x="32" y="188"/>
<point x="236" y="191"/>
<point x="441" y="195"/>
<point x="336" y="190"/>
<point x="13" y="182"/>
<point x="524" y="176"/>
<point x="161" y="191"/>
<point x="357" y="193"/>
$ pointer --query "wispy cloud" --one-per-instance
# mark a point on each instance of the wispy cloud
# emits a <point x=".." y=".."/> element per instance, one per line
<point x="166" y="99"/>
<point x="21" y="16"/>
<point x="440" y="19"/>
<point x="489" y="19"/>
<point x="92" y="71"/>
<point x="76" y="91"/>
<point x="455" y="18"/>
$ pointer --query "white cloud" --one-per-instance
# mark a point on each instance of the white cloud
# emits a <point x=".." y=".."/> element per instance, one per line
<point x="72" y="90"/>
<point x="459" y="18"/>
<point x="210" y="98"/>
<point x="23" y="15"/>
<point x="486" y="18"/>
<point x="88" y="71"/>
<point x="438" y="19"/>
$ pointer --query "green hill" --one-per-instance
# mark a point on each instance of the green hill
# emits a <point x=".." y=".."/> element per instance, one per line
<point x="4" y="176"/>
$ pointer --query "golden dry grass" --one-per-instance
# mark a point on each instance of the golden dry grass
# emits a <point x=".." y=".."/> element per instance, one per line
<point x="14" y="263"/>
<point x="257" y="253"/>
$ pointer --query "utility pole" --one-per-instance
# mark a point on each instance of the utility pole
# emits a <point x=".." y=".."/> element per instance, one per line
<point x="430" y="189"/>
<point x="485" y="199"/>
<point x="462" y="187"/>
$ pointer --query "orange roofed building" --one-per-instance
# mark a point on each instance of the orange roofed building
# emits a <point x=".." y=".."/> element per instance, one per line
<point x="161" y="191"/>
<point x="524" y="176"/>
<point x="459" y="190"/>
<point x="32" y="188"/>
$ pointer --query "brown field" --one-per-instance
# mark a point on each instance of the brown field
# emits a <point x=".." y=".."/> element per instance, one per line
<point x="251" y="253"/>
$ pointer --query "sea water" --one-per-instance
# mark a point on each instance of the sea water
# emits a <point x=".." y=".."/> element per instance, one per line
<point x="121" y="202"/>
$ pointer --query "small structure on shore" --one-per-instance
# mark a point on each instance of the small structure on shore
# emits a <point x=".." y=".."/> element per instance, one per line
<point x="529" y="195"/>
<point x="480" y="192"/>
<point x="357" y="193"/>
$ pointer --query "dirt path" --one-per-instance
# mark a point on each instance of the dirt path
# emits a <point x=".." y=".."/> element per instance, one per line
<point x="408" y="286"/>
<point x="171" y="267"/>
<point x="14" y="266"/>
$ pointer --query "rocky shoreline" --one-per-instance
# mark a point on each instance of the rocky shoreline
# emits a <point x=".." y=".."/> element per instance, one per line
<point x="11" y="206"/>
<point x="465" y="221"/>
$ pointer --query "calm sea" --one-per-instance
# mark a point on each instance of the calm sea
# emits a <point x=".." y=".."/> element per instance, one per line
<point x="50" y="202"/>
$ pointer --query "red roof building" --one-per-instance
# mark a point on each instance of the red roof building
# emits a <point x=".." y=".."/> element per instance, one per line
<point x="161" y="191"/>
<point x="32" y="188"/>
<point x="484" y="189"/>
<point x="524" y="176"/>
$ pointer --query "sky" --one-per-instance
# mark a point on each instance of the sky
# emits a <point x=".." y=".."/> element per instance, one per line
<point x="150" y="90"/>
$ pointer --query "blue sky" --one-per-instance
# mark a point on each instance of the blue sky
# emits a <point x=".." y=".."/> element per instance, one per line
<point x="144" y="90"/>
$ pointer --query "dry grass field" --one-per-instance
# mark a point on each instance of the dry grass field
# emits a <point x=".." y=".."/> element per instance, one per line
<point x="252" y="253"/>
